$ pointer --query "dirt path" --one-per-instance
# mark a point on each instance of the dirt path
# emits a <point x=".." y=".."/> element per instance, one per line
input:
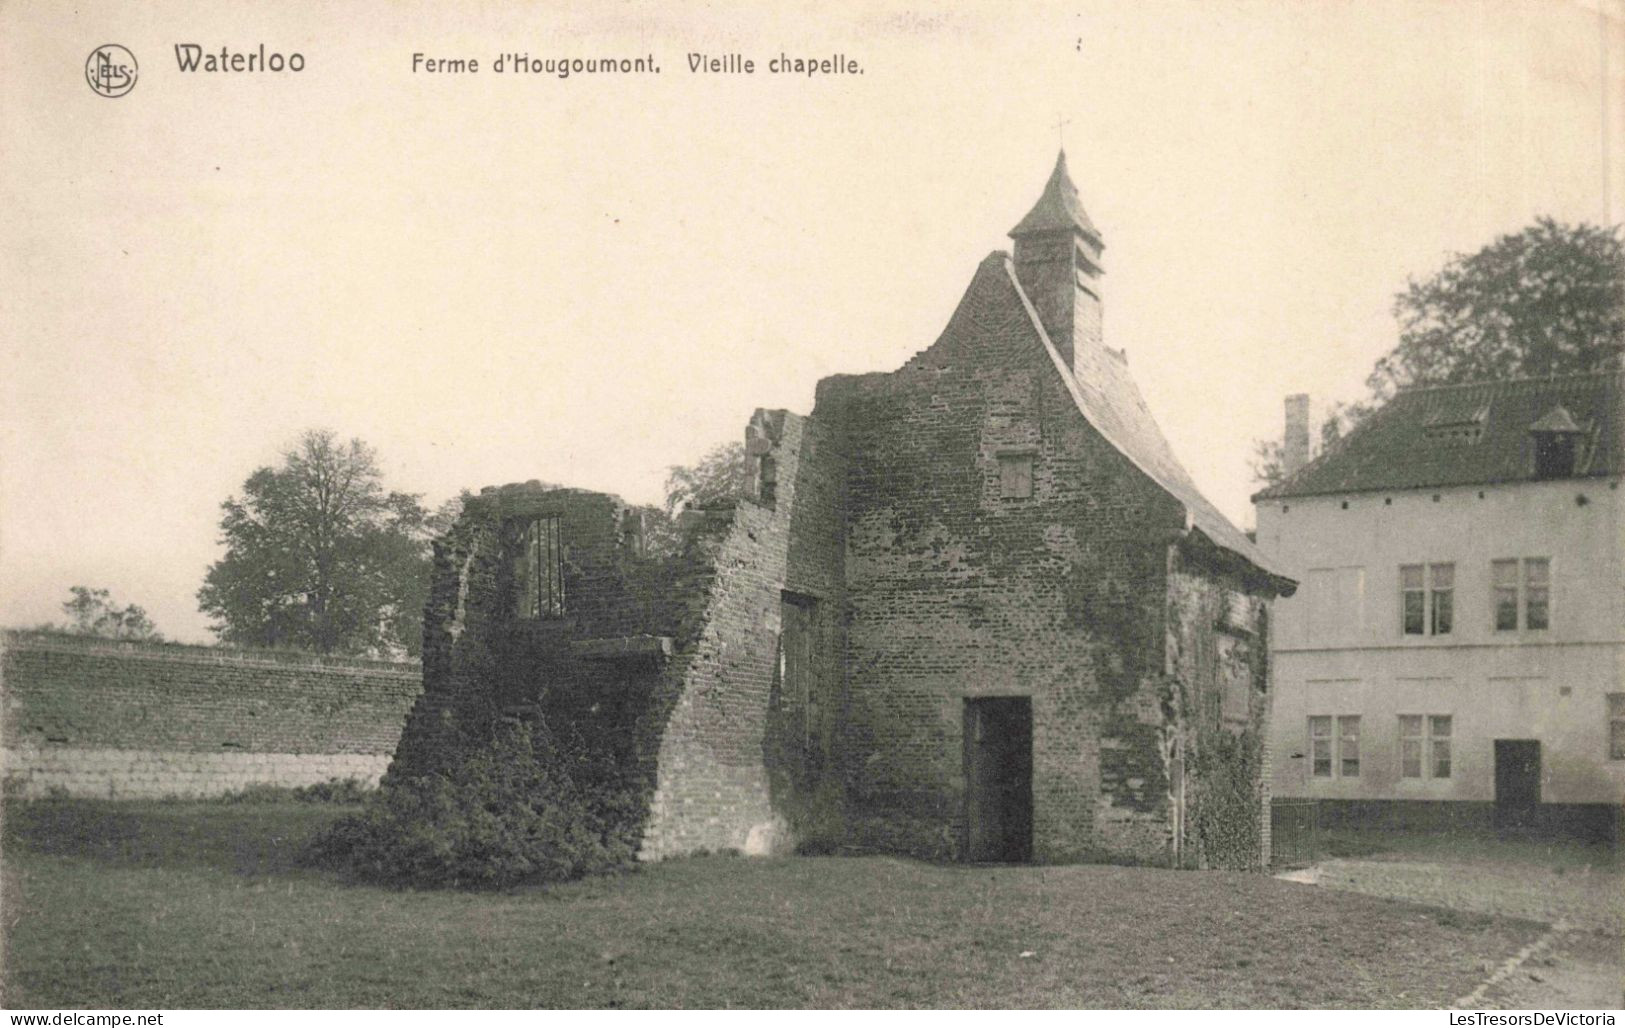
<point x="1581" y="971"/>
<point x="1579" y="965"/>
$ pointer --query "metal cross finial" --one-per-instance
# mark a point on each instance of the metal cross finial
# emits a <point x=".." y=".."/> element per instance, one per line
<point x="1060" y="133"/>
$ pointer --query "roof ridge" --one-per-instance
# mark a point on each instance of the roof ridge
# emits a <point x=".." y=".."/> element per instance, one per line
<point x="1176" y="481"/>
<point x="1498" y="382"/>
<point x="1390" y="449"/>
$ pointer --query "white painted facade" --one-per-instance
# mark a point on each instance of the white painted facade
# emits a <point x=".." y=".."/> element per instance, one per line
<point x="1340" y="650"/>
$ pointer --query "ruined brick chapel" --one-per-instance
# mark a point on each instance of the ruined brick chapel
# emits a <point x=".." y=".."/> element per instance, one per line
<point x="973" y="608"/>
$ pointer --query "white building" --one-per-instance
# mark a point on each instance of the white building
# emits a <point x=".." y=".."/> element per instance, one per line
<point x="1458" y="636"/>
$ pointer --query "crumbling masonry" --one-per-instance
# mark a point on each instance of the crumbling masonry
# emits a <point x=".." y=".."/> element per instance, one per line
<point x="973" y="608"/>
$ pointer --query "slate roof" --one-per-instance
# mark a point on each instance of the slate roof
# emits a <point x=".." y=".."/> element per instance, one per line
<point x="1058" y="208"/>
<point x="1111" y="402"/>
<point x="1474" y="434"/>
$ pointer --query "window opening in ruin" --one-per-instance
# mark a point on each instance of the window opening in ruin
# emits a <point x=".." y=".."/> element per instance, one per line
<point x="1616" y="726"/>
<point x="767" y="480"/>
<point x="539" y="569"/>
<point x="797" y="662"/>
<point x="632" y="533"/>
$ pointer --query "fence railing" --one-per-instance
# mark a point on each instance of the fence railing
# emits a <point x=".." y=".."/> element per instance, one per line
<point x="1294" y="833"/>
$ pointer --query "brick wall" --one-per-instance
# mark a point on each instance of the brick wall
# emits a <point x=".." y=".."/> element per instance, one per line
<point x="101" y="718"/>
<point x="742" y="758"/>
<point x="955" y="592"/>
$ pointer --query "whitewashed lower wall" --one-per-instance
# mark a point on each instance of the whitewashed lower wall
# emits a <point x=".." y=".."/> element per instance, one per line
<point x="32" y="772"/>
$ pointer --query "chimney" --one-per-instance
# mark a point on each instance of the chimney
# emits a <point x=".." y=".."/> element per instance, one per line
<point x="1057" y="260"/>
<point x="1295" y="443"/>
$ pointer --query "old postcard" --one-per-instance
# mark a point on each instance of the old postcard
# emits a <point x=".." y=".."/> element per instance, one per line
<point x="604" y="505"/>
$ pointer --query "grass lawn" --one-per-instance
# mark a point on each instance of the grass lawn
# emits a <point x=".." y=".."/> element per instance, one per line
<point x="204" y="905"/>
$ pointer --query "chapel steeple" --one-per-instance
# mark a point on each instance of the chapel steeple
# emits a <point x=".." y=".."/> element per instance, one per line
<point x="1057" y="259"/>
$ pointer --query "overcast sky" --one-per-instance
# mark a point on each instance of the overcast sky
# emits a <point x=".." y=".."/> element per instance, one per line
<point x="495" y="278"/>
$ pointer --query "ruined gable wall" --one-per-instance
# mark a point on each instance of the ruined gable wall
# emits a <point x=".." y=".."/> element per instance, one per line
<point x="955" y="592"/>
<point x="592" y="673"/>
<point x="732" y="763"/>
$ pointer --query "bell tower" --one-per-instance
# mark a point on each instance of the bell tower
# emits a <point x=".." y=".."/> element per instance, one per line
<point x="1057" y="258"/>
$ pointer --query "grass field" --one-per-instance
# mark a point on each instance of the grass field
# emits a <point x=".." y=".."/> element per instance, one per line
<point x="205" y="905"/>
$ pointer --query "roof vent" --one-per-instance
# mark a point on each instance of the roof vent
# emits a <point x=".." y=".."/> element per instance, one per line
<point x="1458" y="425"/>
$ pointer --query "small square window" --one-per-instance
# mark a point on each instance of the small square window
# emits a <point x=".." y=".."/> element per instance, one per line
<point x="1016" y="476"/>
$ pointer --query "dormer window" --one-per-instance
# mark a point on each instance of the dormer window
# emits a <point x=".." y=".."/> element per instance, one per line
<point x="1556" y="436"/>
<point x="1554" y="456"/>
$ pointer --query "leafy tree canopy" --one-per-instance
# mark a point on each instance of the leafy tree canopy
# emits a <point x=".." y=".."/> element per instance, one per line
<point x="1549" y="300"/>
<point x="320" y="556"/>
<point x="722" y="474"/>
<point x="93" y="612"/>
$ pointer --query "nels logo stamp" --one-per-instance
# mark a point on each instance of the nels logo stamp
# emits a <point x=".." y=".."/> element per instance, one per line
<point x="111" y="70"/>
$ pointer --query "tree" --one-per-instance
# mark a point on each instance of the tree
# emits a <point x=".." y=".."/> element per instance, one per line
<point x="319" y="556"/>
<point x="722" y="474"/>
<point x="1549" y="300"/>
<point x="92" y="612"/>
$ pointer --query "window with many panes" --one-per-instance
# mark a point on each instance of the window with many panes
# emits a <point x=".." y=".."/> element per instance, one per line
<point x="1616" y="726"/>
<point x="1320" y="746"/>
<point x="1334" y="746"/>
<point x="1427" y="598"/>
<point x="539" y="568"/>
<point x="1522" y="593"/>
<point x="1424" y="745"/>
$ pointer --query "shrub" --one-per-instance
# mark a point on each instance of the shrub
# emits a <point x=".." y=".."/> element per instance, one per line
<point x="523" y="808"/>
<point x="334" y="790"/>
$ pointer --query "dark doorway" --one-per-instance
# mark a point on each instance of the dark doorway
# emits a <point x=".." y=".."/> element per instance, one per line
<point x="999" y="779"/>
<point x="1517" y="782"/>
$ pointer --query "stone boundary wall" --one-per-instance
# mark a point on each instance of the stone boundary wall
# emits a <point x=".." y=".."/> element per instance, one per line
<point x="127" y="720"/>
